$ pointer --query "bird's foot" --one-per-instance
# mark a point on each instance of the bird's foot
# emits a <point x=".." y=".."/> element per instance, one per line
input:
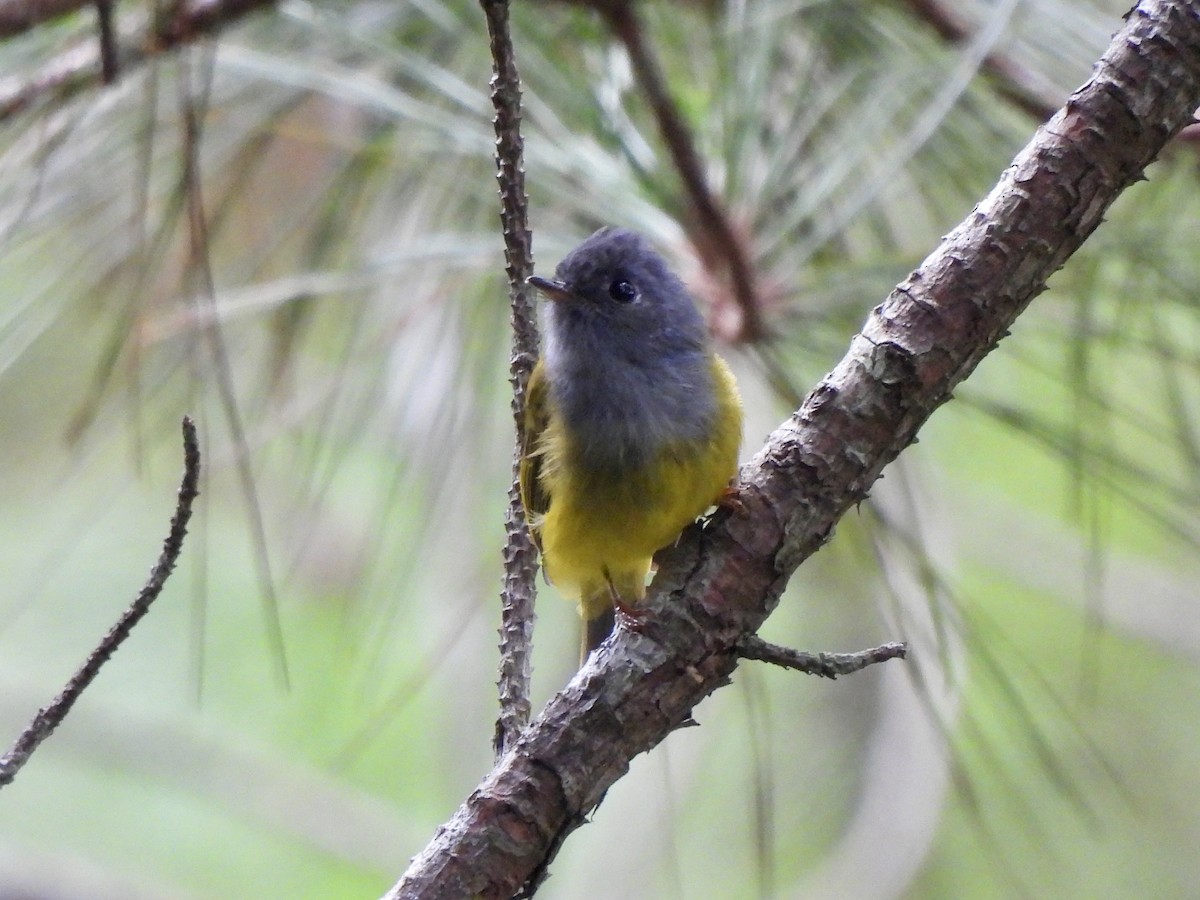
<point x="630" y="617"/>
<point x="731" y="500"/>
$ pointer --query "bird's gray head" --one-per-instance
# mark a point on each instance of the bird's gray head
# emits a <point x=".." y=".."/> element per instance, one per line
<point x="627" y="350"/>
<point x="614" y="295"/>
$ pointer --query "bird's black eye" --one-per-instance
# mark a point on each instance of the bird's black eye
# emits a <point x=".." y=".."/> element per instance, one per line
<point x="622" y="291"/>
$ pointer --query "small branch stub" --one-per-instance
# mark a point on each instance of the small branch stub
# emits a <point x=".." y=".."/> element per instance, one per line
<point x="825" y="665"/>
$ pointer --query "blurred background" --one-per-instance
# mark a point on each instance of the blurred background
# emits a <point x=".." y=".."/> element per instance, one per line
<point x="291" y="234"/>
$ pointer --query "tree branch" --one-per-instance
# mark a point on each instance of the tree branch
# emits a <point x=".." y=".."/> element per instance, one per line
<point x="106" y="34"/>
<point x="717" y="238"/>
<point x="19" y="16"/>
<point x="724" y="579"/>
<point x="1012" y="80"/>
<point x="81" y="67"/>
<point x="520" y="556"/>
<point x="50" y="717"/>
<point x="825" y="665"/>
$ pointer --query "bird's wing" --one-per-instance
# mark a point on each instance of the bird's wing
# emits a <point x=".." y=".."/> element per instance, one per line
<point x="534" y="496"/>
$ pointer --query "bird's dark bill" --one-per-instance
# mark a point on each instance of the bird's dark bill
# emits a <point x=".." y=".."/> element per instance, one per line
<point x="554" y="290"/>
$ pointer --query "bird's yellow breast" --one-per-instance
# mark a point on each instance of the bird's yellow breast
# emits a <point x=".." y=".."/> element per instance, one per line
<point x="604" y="526"/>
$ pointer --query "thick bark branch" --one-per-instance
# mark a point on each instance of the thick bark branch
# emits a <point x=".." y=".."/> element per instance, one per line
<point x="722" y="581"/>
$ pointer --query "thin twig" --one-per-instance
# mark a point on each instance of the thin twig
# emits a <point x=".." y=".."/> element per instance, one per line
<point x="826" y="665"/>
<point x="50" y="717"/>
<point x="520" y="555"/>
<point x="719" y="239"/>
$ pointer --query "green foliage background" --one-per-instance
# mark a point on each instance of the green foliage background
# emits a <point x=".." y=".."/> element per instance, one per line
<point x="1038" y="548"/>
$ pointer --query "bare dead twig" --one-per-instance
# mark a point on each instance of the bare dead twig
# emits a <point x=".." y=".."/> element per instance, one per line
<point x="50" y="717"/>
<point x="520" y="555"/>
<point x="825" y="665"/>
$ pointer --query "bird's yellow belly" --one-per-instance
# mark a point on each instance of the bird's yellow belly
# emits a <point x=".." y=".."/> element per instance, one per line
<point x="605" y="531"/>
<point x="600" y="530"/>
<point x="618" y="526"/>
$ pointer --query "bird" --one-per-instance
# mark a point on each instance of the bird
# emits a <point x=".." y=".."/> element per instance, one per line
<point x="632" y="424"/>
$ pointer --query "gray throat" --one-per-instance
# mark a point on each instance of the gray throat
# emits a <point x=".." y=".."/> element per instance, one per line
<point x="620" y="415"/>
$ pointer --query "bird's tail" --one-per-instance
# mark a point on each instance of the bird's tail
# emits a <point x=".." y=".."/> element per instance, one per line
<point x="598" y="602"/>
<point x="595" y="630"/>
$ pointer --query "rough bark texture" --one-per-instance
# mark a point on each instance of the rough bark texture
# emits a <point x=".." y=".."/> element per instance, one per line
<point x="722" y="581"/>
